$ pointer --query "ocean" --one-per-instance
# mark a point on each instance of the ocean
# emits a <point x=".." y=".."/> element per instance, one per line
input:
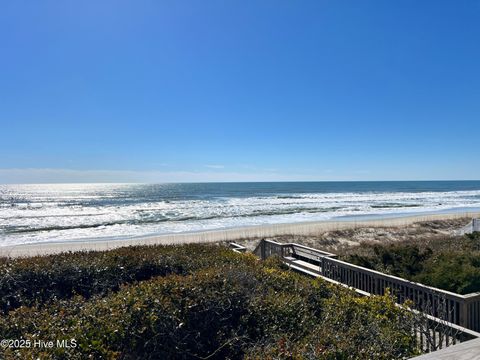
<point x="70" y="212"/>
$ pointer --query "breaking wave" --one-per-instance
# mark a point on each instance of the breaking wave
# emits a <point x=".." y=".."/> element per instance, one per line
<point x="36" y="213"/>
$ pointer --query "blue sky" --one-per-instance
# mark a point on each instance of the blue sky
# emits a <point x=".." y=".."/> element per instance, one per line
<point x="154" y="91"/>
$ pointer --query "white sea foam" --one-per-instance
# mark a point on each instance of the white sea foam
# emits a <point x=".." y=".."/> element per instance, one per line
<point x="71" y="212"/>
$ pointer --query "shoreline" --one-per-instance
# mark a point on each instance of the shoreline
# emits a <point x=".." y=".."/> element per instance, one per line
<point x="232" y="234"/>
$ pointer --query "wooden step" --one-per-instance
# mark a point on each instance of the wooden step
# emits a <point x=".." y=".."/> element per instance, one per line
<point x="307" y="265"/>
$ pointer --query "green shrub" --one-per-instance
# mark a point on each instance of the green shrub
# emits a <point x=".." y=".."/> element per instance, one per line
<point x="404" y="261"/>
<point x="456" y="272"/>
<point x="225" y="305"/>
<point x="454" y="268"/>
<point x="45" y="278"/>
<point x="351" y="328"/>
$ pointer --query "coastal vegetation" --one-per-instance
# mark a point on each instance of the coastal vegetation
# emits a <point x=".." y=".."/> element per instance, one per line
<point x="449" y="263"/>
<point x="190" y="302"/>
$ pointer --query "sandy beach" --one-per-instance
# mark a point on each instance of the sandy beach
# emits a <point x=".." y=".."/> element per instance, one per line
<point x="245" y="235"/>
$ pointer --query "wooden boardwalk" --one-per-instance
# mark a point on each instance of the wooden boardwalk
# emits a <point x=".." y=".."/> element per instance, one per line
<point x="469" y="350"/>
<point x="473" y="226"/>
<point x="449" y="318"/>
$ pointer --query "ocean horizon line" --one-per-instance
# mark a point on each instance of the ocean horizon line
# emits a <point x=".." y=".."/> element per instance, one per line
<point x="235" y="182"/>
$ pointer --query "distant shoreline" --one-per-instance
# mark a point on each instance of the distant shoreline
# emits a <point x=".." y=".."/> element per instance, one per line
<point x="231" y="234"/>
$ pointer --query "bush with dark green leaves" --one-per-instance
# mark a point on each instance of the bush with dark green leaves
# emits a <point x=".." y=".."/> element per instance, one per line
<point x="40" y="279"/>
<point x="404" y="260"/>
<point x="456" y="272"/>
<point x="456" y="269"/>
<point x="226" y="305"/>
<point x="350" y="328"/>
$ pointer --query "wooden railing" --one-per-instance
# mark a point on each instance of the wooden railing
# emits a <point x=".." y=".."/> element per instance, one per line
<point x="237" y="247"/>
<point x="475" y="225"/>
<point x="459" y="309"/>
<point x="459" y="313"/>
<point x="433" y="334"/>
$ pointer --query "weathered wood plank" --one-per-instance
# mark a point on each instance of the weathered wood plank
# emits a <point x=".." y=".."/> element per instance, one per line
<point x="468" y="350"/>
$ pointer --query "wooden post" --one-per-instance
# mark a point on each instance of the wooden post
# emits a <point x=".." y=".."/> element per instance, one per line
<point x="463" y="318"/>
<point x="476" y="225"/>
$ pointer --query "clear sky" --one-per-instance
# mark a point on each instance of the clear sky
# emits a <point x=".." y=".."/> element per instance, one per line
<point x="154" y="91"/>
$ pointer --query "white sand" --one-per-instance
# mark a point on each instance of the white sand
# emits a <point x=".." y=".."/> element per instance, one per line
<point x="306" y="228"/>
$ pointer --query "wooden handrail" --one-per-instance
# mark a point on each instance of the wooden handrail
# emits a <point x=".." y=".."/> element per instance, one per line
<point x="376" y="282"/>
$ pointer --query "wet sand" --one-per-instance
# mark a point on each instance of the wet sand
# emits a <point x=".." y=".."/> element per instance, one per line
<point x="246" y="235"/>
